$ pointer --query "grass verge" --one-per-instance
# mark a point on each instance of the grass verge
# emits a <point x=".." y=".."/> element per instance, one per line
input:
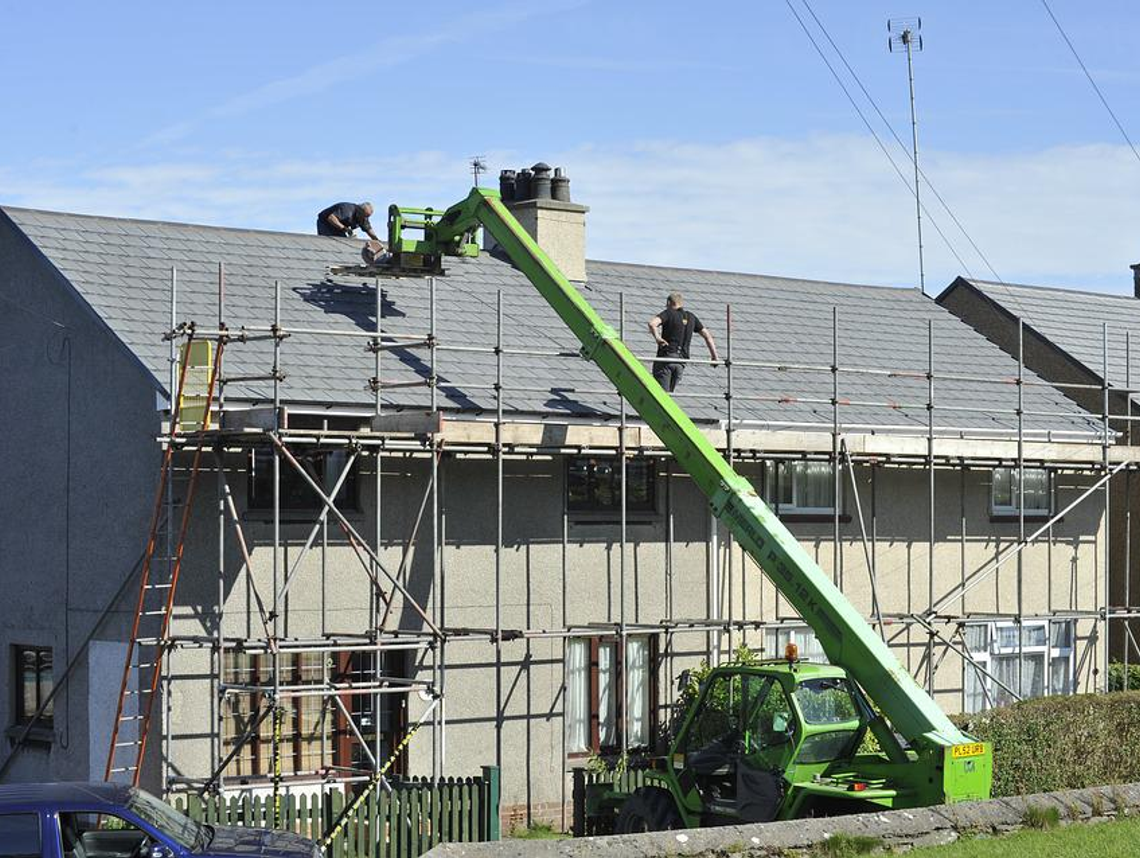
<point x="1103" y="840"/>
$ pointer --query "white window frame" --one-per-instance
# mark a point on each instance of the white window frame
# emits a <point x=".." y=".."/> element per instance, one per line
<point x="993" y="694"/>
<point x="1011" y="508"/>
<point x="777" y="637"/>
<point x="795" y="470"/>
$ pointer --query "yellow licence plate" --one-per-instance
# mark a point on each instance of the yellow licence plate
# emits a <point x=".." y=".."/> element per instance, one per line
<point x="974" y="749"/>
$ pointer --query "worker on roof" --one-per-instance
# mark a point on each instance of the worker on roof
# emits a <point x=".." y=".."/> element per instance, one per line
<point x="343" y="218"/>
<point x="672" y="330"/>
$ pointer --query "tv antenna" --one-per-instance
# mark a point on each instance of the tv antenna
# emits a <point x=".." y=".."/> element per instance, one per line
<point x="905" y="36"/>
<point x="478" y="167"/>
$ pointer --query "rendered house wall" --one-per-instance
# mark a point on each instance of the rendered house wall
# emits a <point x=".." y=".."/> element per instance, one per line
<point x="1059" y="574"/>
<point x="78" y="465"/>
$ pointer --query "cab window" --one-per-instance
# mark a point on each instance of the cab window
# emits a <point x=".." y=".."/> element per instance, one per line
<point x="20" y="835"/>
<point x="826" y="701"/>
<point x="743" y="713"/>
<point x="823" y="702"/>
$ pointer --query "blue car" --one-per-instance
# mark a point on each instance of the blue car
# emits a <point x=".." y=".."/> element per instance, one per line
<point x="99" y="820"/>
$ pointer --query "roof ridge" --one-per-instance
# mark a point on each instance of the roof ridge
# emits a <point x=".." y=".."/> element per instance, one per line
<point x="212" y="226"/>
<point x="781" y="277"/>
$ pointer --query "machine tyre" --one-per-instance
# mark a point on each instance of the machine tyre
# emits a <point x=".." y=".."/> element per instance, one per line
<point x="648" y="809"/>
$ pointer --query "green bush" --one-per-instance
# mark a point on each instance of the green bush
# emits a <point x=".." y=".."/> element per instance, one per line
<point x="1116" y="677"/>
<point x="1053" y="743"/>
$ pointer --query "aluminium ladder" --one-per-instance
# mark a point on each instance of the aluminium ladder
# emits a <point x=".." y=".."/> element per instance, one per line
<point x="162" y="564"/>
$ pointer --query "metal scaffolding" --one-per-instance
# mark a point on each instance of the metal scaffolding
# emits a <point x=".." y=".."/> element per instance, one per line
<point x="939" y="624"/>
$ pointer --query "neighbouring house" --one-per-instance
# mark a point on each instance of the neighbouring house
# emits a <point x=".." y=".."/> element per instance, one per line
<point x="1086" y="345"/>
<point x="475" y="463"/>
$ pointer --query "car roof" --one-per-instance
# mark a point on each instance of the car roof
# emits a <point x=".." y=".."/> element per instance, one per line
<point x="63" y="796"/>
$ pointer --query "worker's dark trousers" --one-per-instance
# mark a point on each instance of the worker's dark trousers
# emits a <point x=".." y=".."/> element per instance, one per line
<point x="668" y="375"/>
<point x="326" y="228"/>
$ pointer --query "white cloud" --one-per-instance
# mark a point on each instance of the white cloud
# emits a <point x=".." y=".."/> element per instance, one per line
<point x="825" y="206"/>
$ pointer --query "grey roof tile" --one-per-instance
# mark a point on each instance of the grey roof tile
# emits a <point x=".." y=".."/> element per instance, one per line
<point x="1076" y="322"/>
<point x="122" y="268"/>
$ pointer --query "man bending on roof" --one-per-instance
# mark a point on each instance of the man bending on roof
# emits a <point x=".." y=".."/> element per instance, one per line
<point x="342" y="218"/>
<point x="673" y="330"/>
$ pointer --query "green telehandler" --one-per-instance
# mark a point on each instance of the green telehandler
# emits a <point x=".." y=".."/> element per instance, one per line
<point x="779" y="739"/>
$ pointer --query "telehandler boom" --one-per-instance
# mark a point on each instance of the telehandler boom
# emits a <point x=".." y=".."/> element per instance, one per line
<point x="774" y="740"/>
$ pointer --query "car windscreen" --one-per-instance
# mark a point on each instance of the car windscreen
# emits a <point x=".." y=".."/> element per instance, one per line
<point x="181" y="829"/>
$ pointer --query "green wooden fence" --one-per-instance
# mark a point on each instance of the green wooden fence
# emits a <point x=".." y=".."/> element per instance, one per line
<point x="405" y="823"/>
<point x="584" y="823"/>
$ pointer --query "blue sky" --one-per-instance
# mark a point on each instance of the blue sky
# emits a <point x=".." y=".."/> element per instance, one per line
<point x="710" y="136"/>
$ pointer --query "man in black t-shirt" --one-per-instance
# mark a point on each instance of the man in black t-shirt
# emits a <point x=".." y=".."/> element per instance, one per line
<point x="342" y="218"/>
<point x="673" y="331"/>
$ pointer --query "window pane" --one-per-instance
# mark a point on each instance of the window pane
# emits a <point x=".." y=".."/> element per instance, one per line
<point x="814" y="485"/>
<point x="577" y="696"/>
<point x="1003" y="488"/>
<point x="28" y="683"/>
<point x="977" y="638"/>
<point x="1034" y="635"/>
<point x="1033" y="675"/>
<point x="1062" y="634"/>
<point x="1007" y="637"/>
<point x="296" y="494"/>
<point x="20" y="835"/>
<point x="607" y="695"/>
<point x="1004" y="668"/>
<point x="975" y="695"/>
<point x="1036" y="489"/>
<point x="776" y="641"/>
<point x="1060" y="675"/>
<point x="45" y="683"/>
<point x="637" y="692"/>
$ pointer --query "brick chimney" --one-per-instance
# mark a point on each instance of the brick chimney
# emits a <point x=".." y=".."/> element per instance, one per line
<point x="541" y="203"/>
<point x="1136" y="279"/>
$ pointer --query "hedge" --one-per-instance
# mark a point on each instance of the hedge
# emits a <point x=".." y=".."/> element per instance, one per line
<point x="1053" y="743"/>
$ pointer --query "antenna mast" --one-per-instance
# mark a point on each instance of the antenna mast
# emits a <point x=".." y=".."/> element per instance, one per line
<point x="905" y="36"/>
<point x="478" y="167"/>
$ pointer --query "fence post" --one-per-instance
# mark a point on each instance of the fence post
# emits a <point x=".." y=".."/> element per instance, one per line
<point x="491" y="779"/>
<point x="578" y="796"/>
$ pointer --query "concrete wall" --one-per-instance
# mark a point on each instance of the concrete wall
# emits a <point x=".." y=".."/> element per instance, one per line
<point x="78" y="465"/>
<point x="1058" y="574"/>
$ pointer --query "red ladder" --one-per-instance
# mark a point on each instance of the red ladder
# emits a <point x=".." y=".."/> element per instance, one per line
<point x="155" y="605"/>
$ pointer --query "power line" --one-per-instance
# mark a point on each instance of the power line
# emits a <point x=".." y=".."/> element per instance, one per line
<point x="878" y="140"/>
<point x="902" y="145"/>
<point x="1092" y="82"/>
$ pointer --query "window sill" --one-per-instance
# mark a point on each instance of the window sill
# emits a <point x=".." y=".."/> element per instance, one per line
<point x="43" y="737"/>
<point x="613" y="519"/>
<point x="1013" y="518"/>
<point x="812" y="517"/>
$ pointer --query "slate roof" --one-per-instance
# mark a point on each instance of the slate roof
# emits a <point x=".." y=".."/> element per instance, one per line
<point x="122" y="267"/>
<point x="1074" y="322"/>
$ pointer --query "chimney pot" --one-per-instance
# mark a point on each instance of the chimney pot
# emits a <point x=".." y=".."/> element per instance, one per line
<point x="540" y="183"/>
<point x="560" y="186"/>
<point x="1136" y="279"/>
<point x="523" y="185"/>
<point x="507" y="185"/>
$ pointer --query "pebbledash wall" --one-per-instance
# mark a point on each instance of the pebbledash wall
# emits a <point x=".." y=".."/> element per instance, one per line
<point x="528" y="737"/>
